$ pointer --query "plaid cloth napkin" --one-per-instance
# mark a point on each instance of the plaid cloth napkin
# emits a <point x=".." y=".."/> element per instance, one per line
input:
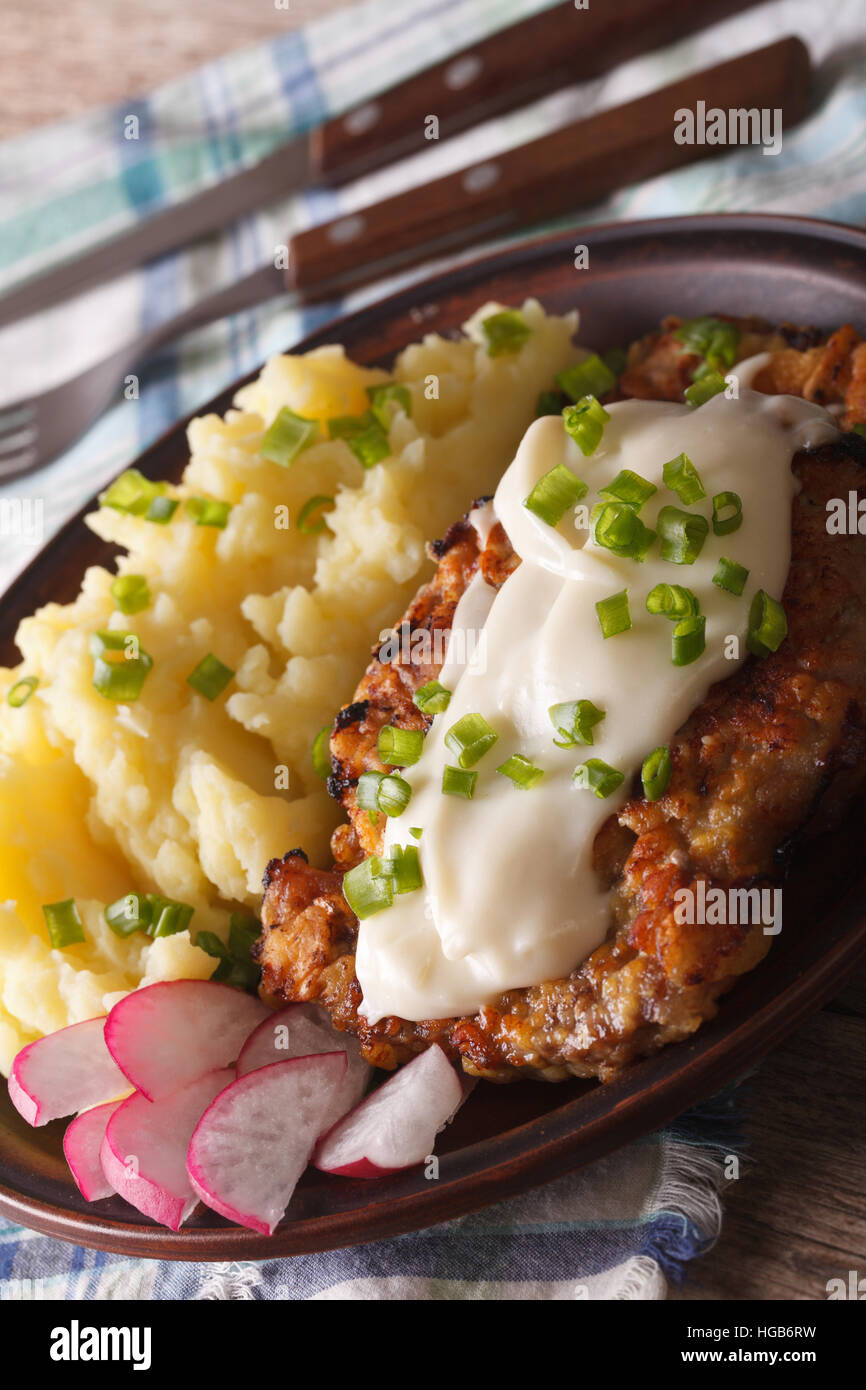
<point x="624" y="1227"/>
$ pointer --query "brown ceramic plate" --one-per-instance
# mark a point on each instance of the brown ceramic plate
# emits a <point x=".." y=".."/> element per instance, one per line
<point x="510" y="1138"/>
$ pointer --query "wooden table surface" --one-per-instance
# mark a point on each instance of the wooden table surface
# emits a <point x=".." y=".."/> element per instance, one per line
<point x="796" y="1217"/>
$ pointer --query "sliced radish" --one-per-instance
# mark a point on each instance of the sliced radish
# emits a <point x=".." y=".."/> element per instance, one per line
<point x="300" y="1030"/>
<point x="396" y="1126"/>
<point x="252" y="1145"/>
<point x="63" y="1072"/>
<point x="166" y="1035"/>
<point x="143" y="1152"/>
<point x="81" y="1145"/>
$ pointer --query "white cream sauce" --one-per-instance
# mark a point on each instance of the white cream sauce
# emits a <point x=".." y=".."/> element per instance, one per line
<point x="510" y="897"/>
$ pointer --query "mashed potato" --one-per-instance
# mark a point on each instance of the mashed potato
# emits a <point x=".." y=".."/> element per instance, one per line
<point x="189" y="798"/>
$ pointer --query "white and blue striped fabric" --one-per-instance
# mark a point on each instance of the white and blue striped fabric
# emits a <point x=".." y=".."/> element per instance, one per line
<point x="621" y="1229"/>
<point x="625" y="1227"/>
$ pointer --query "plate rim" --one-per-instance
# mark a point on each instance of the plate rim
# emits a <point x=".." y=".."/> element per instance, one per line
<point x="714" y="1060"/>
<point x="529" y="247"/>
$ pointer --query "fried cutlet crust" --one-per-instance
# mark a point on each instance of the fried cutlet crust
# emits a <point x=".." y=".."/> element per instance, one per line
<point x="803" y="362"/>
<point x="774" y="753"/>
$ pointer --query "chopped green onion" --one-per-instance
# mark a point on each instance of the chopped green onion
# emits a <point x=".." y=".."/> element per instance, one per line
<point x="347" y="426"/>
<point x="212" y="945"/>
<point x="235" y="965"/>
<point x="588" y="378"/>
<point x="712" y="339"/>
<point x="367" y="888"/>
<point x="521" y="771"/>
<point x="575" y="721"/>
<point x="394" y="795"/>
<point x="456" y="781"/>
<point x="672" y="601"/>
<point x="368" y="790"/>
<point x="399" y="747"/>
<point x="768" y="626"/>
<point x="613" y="614"/>
<point x="129" y="914"/>
<point x="240" y="974"/>
<point x="656" y="773"/>
<point x="505" y="332"/>
<point x="554" y="493"/>
<point x="681" y="476"/>
<point x="119" y="679"/>
<point x="287" y="437"/>
<point x="124" y="644"/>
<point x="207" y="511"/>
<point x="550" y="403"/>
<point x="682" y="535"/>
<point x="167" y="916"/>
<point x="244" y="932"/>
<point x="730" y="576"/>
<point x="309" y="527"/>
<point x="321" y="753"/>
<point x="598" y="776"/>
<point x="381" y="396"/>
<point x="21" y="691"/>
<point x="630" y="488"/>
<point x="616" y="360"/>
<point x="416" y="830"/>
<point x="210" y="677"/>
<point x="161" y="510"/>
<point x="703" y="390"/>
<point x="370" y="446"/>
<point x="403" y="867"/>
<point x="131" y="592"/>
<point x="617" y="527"/>
<point x="64" y="924"/>
<point x="432" y="698"/>
<point x="724" y="525"/>
<point x="859" y="429"/>
<point x="470" y="738"/>
<point x="131" y="493"/>
<point x="364" y="436"/>
<point x="584" y="423"/>
<point x="688" y="640"/>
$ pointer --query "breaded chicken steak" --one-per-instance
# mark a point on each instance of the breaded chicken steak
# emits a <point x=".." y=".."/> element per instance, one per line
<point x="774" y="753"/>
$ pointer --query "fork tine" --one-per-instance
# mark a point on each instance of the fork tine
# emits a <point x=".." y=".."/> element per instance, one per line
<point x="18" y="463"/>
<point x="10" y="443"/>
<point x="19" y="435"/>
<point x="19" y="419"/>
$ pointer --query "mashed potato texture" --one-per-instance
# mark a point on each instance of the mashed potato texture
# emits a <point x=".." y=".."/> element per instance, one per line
<point x="186" y="797"/>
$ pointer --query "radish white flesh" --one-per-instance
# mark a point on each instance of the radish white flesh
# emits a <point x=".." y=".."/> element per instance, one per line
<point x="166" y="1035"/>
<point x="300" y="1030"/>
<point x="397" y="1125"/>
<point x="143" y="1153"/>
<point x="63" y="1072"/>
<point x="253" y="1144"/>
<point x="82" y="1143"/>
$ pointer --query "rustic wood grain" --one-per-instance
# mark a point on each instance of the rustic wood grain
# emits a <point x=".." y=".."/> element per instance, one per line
<point x="61" y="57"/>
<point x="797" y="1217"/>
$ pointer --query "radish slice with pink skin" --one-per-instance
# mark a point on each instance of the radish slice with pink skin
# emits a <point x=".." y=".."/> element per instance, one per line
<point x="81" y="1145"/>
<point x="252" y="1145"/>
<point x="63" y="1072"/>
<point x="300" y="1030"/>
<point x="166" y="1035"/>
<point x="397" y="1125"/>
<point x="143" y="1153"/>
